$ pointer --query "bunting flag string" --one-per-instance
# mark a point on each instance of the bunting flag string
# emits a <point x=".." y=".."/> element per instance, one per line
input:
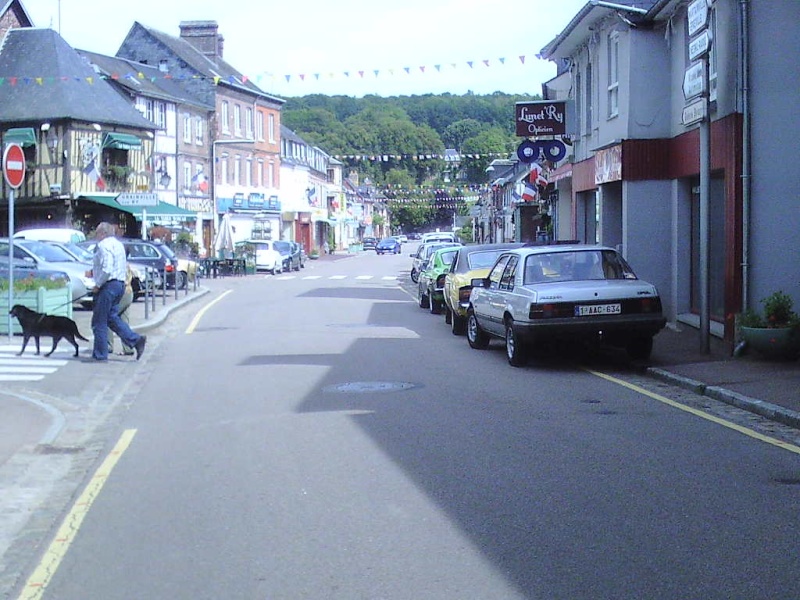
<point x="265" y="77"/>
<point x="431" y="156"/>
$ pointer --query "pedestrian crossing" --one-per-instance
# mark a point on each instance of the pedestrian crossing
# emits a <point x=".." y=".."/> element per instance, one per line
<point x="288" y="277"/>
<point x="29" y="366"/>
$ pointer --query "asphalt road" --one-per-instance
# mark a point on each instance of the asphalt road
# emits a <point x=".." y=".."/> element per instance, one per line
<point x="318" y="435"/>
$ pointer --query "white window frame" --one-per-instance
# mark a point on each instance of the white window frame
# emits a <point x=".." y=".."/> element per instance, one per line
<point x="248" y="124"/>
<point x="187" y="175"/>
<point x="613" y="75"/>
<point x="225" y="117"/>
<point x="271" y="175"/>
<point x="260" y="173"/>
<point x="223" y="172"/>
<point x="187" y="128"/>
<point x="237" y="170"/>
<point x="237" y="120"/>
<point x="271" y="127"/>
<point x="161" y="115"/>
<point x="198" y="131"/>
<point x="260" y="126"/>
<point x="248" y="173"/>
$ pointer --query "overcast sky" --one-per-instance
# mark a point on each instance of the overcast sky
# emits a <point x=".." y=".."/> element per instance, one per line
<point x="354" y="47"/>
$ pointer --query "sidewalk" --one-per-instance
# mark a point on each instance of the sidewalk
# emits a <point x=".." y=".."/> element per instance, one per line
<point x="766" y="387"/>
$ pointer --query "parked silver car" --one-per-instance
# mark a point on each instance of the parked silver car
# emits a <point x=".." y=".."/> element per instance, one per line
<point x="536" y="296"/>
<point x="52" y="258"/>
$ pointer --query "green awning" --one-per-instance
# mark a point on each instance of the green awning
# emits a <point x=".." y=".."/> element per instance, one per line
<point x="109" y="200"/>
<point x="164" y="211"/>
<point x="121" y="141"/>
<point x="24" y="136"/>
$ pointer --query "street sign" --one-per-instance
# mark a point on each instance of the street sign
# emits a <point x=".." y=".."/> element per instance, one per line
<point x="137" y="199"/>
<point x="694" y="112"/>
<point x="700" y="45"/>
<point x="694" y="81"/>
<point x="14" y="165"/>
<point x="697" y="15"/>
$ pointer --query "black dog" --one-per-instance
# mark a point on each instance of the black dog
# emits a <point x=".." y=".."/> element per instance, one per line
<point x="35" y="324"/>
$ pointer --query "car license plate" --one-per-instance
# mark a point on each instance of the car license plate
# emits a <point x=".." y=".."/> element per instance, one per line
<point x="598" y="309"/>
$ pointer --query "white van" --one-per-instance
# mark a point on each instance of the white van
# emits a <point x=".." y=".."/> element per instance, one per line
<point x="52" y="234"/>
<point x="438" y="236"/>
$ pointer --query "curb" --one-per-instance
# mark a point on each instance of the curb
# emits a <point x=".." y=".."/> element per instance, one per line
<point x="154" y="322"/>
<point x="753" y="405"/>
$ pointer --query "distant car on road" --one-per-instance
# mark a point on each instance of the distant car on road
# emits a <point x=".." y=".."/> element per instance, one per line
<point x="369" y="243"/>
<point x="534" y="297"/>
<point x="388" y="245"/>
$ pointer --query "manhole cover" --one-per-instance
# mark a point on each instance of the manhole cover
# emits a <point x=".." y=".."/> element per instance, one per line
<point x="363" y="387"/>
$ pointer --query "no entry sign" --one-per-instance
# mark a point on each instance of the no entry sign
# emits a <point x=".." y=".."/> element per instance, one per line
<point x="14" y="165"/>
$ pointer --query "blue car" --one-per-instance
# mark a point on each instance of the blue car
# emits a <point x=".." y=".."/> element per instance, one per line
<point x="388" y="245"/>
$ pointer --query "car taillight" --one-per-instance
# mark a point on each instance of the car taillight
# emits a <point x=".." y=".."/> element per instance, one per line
<point x="650" y="305"/>
<point x="550" y="311"/>
<point x="169" y="268"/>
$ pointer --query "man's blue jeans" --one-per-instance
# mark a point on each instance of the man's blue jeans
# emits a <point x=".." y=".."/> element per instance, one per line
<point x="105" y="316"/>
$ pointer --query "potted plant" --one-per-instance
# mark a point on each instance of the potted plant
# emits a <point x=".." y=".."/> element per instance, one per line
<point x="314" y="254"/>
<point x="45" y="292"/>
<point x="775" y="333"/>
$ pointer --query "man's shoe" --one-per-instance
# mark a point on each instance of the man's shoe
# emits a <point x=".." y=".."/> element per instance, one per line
<point x="140" y="346"/>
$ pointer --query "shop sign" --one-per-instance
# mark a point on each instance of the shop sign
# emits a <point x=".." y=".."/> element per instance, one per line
<point x="608" y="165"/>
<point x="543" y="118"/>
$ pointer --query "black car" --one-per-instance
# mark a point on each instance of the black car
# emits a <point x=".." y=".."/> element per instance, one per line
<point x="369" y="243"/>
<point x="300" y="252"/>
<point x="154" y="254"/>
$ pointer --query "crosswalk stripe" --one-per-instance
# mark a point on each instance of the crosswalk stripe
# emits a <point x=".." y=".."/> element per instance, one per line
<point x="21" y="377"/>
<point x="338" y="277"/>
<point x="389" y="278"/>
<point x="27" y="370"/>
<point x="364" y="277"/>
<point x="8" y="361"/>
<point x="310" y="277"/>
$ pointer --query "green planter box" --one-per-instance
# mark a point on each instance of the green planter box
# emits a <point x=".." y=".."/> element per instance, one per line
<point x="52" y="302"/>
<point x="782" y="344"/>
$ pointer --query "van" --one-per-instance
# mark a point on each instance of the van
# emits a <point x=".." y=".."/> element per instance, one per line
<point x="52" y="234"/>
<point x="439" y="236"/>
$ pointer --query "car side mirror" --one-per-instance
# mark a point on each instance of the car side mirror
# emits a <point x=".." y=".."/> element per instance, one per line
<point x="480" y="282"/>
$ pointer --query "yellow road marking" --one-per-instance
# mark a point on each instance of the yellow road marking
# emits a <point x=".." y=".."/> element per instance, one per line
<point x="43" y="574"/>
<point x="700" y="413"/>
<point x="203" y="310"/>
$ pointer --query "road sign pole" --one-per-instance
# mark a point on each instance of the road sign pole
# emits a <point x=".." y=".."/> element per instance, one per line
<point x="10" y="261"/>
<point x="705" y="230"/>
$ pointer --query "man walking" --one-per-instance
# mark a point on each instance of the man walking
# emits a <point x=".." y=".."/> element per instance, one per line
<point x="109" y="270"/>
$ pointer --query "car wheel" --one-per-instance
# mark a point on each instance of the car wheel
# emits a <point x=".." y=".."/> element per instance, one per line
<point x="477" y="337"/>
<point x="640" y="348"/>
<point x="424" y="301"/>
<point x="514" y="348"/>
<point x="183" y="280"/>
<point x="458" y="325"/>
<point x="434" y="305"/>
<point x="414" y="276"/>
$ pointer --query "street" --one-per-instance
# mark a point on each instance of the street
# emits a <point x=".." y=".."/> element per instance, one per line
<point x="317" y="435"/>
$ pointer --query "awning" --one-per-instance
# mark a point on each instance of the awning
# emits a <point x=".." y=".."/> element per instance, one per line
<point x="24" y="136"/>
<point x="121" y="141"/>
<point x="164" y="211"/>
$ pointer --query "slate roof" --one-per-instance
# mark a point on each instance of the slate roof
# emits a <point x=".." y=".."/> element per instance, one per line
<point x="141" y="79"/>
<point x="51" y="83"/>
<point x="204" y="66"/>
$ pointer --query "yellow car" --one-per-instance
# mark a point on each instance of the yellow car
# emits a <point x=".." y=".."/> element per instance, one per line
<point x="472" y="262"/>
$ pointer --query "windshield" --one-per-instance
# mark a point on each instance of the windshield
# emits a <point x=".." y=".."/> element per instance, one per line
<point x="482" y="260"/>
<point x="48" y="252"/>
<point x="576" y="266"/>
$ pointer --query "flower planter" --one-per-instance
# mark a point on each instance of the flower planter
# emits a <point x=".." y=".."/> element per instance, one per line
<point x="776" y="343"/>
<point x="52" y="302"/>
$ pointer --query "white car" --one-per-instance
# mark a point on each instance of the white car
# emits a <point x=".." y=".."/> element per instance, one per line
<point x="536" y="296"/>
<point x="267" y="257"/>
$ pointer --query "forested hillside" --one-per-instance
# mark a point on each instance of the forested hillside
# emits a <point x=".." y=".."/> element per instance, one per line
<point x="401" y="140"/>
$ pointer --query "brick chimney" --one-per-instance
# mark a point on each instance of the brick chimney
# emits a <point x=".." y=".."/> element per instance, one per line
<point x="204" y="36"/>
